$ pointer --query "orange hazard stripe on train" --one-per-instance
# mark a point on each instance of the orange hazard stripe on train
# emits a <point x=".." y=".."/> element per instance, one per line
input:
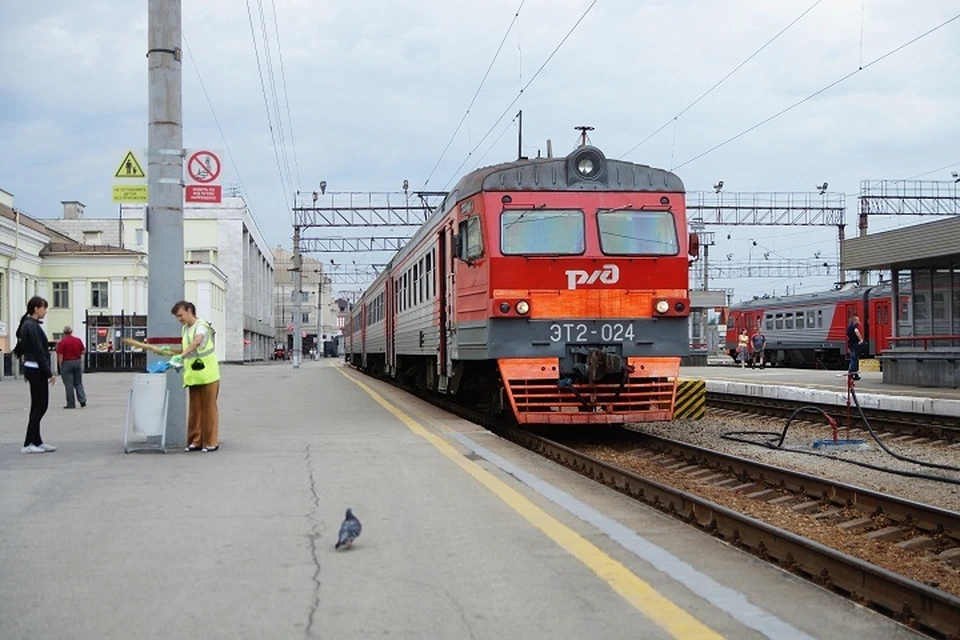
<point x="590" y="303"/>
<point x="537" y="398"/>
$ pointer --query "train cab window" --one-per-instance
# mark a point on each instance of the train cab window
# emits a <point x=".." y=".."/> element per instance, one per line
<point x="769" y="322"/>
<point x="638" y="233"/>
<point x="788" y="321"/>
<point x="778" y="321"/>
<point x="542" y="232"/>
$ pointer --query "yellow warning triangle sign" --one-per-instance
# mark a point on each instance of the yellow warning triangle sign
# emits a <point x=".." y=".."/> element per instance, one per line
<point x="130" y="168"/>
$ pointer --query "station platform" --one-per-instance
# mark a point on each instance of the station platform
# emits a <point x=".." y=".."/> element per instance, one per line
<point x="464" y="534"/>
<point x="826" y="387"/>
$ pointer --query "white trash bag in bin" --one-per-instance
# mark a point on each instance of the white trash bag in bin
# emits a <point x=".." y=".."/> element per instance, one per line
<point x="147" y="410"/>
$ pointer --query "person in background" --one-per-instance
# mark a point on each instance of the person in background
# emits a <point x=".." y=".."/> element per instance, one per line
<point x="743" y="347"/>
<point x="201" y="376"/>
<point x="854" y="340"/>
<point x="70" y="352"/>
<point x="759" y="343"/>
<point x="33" y="347"/>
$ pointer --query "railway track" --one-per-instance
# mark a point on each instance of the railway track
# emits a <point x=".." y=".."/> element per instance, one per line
<point x="923" y="607"/>
<point x="942" y="428"/>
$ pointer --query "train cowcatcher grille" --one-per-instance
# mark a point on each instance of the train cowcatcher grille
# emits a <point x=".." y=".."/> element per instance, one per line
<point x="537" y="398"/>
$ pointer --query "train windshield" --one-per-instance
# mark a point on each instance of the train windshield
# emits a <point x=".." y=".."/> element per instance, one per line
<point x="542" y="232"/>
<point x="630" y="232"/>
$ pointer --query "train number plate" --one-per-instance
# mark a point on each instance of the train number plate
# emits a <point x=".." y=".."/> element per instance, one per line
<point x="593" y="332"/>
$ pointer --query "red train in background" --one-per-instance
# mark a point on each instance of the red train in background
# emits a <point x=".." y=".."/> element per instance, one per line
<point x="552" y="289"/>
<point x="809" y="330"/>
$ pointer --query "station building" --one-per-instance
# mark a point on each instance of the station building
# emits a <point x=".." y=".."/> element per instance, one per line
<point x="93" y="272"/>
<point x="924" y="263"/>
<point x="228" y="267"/>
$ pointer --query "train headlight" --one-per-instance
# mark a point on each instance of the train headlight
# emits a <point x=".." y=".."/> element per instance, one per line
<point x="663" y="306"/>
<point x="586" y="163"/>
<point x="504" y="307"/>
<point x="679" y="307"/>
<point x="523" y="307"/>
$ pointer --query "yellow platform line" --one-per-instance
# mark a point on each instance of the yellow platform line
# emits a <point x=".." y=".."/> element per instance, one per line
<point x="637" y="592"/>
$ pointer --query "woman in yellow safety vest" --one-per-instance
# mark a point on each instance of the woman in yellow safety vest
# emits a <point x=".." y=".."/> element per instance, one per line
<point x="201" y="375"/>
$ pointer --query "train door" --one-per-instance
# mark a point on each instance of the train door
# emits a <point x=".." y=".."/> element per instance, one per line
<point x="881" y="331"/>
<point x="390" y="325"/>
<point x="445" y="302"/>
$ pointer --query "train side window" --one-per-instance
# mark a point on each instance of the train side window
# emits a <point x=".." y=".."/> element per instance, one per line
<point x="769" y="321"/>
<point x="788" y="321"/>
<point x="416" y="284"/>
<point x="778" y="321"/>
<point x="799" y="319"/>
<point x="422" y="281"/>
<point x="811" y="319"/>
<point x="429" y="263"/>
<point x="471" y="240"/>
<point x="819" y="319"/>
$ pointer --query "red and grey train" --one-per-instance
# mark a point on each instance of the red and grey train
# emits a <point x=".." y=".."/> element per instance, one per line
<point x="810" y="330"/>
<point x="551" y="289"/>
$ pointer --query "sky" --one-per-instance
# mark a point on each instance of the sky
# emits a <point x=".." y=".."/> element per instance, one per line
<point x="370" y="93"/>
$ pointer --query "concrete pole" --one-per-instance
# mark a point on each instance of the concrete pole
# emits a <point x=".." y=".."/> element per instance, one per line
<point x="320" y="315"/>
<point x="165" y="194"/>
<point x="704" y="324"/>
<point x="297" y="300"/>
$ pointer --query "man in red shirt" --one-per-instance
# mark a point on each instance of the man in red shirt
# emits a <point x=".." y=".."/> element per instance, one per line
<point x="69" y="353"/>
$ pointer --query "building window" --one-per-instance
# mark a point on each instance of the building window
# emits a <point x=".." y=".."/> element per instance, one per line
<point x="3" y="274"/>
<point x="91" y="237"/>
<point x="139" y="239"/>
<point x="61" y="295"/>
<point x="99" y="295"/>
<point x="305" y="317"/>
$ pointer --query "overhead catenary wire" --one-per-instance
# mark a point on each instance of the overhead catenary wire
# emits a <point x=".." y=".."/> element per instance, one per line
<point x="722" y="80"/>
<point x="286" y="94"/>
<point x="820" y="91"/>
<point x="268" y="55"/>
<point x="226" y="145"/>
<point x="263" y="90"/>
<point x="473" y="100"/>
<point x="520" y="93"/>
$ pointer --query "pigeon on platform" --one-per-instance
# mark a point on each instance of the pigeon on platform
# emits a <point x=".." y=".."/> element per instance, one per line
<point x="349" y="531"/>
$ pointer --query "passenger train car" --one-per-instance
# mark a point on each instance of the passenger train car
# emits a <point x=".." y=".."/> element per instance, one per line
<point x="811" y="329"/>
<point x="551" y="289"/>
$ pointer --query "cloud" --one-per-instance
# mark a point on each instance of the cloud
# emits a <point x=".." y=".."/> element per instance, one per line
<point x="375" y="91"/>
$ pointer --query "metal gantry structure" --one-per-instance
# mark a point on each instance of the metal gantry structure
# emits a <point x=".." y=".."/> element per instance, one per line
<point x="354" y="209"/>
<point x="906" y="198"/>
<point x="719" y="208"/>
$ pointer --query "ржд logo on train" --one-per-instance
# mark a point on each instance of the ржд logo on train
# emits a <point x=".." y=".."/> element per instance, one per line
<point x="609" y="274"/>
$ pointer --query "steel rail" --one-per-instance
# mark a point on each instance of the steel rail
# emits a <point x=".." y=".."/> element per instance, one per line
<point x="920" y="606"/>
